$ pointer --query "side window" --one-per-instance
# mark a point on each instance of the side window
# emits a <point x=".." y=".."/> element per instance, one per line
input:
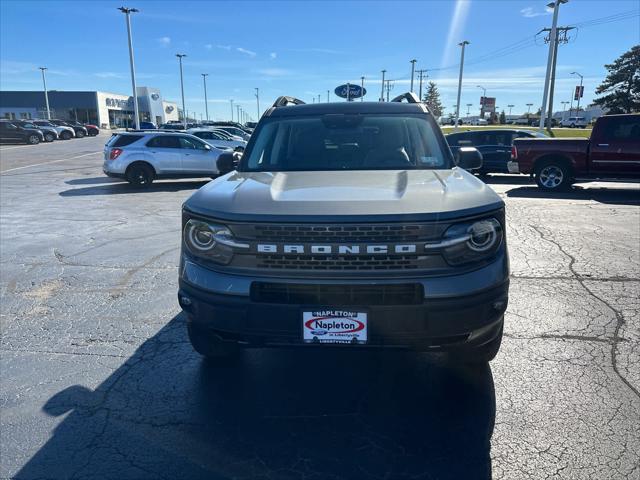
<point x="625" y="129"/>
<point x="164" y="142"/>
<point x="191" y="143"/>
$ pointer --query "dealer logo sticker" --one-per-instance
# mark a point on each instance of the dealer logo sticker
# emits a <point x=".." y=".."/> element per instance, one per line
<point x="334" y="326"/>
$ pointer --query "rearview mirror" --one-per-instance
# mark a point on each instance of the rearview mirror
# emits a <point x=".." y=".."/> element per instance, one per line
<point x="469" y="158"/>
<point x="227" y="162"/>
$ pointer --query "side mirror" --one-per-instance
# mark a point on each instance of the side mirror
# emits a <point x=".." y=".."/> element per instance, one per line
<point x="207" y="146"/>
<point x="469" y="158"/>
<point x="227" y="162"/>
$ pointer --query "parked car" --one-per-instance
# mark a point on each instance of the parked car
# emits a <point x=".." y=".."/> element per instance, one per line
<point x="612" y="152"/>
<point x="50" y="134"/>
<point x="521" y="121"/>
<point x="92" y="130"/>
<point x="216" y="139"/>
<point x="574" y="122"/>
<point x="64" y="132"/>
<point x="141" y="157"/>
<point x="227" y="135"/>
<point x="10" y="132"/>
<point x="238" y="132"/>
<point x="78" y="128"/>
<point x="346" y="223"/>
<point x="479" y="121"/>
<point x="172" y="126"/>
<point x="495" y="145"/>
<point x="148" y="126"/>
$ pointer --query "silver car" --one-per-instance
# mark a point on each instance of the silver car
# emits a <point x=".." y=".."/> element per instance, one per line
<point x="140" y="158"/>
<point x="64" y="133"/>
<point x="217" y="139"/>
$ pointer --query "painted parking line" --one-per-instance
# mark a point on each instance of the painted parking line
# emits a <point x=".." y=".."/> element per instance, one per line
<point x="53" y="161"/>
<point x="17" y="146"/>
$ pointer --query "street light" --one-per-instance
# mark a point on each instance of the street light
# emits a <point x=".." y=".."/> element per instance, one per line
<point x="382" y="91"/>
<point x="46" y="93"/>
<point x="579" y="93"/>
<point x="529" y="105"/>
<point x="206" y="105"/>
<point x="128" y="12"/>
<point x="231" y="101"/>
<point x="468" y="108"/>
<point x="180" y="57"/>
<point x="413" y="68"/>
<point x="258" y="101"/>
<point x="362" y="87"/>
<point x="510" y="107"/>
<point x="463" y="45"/>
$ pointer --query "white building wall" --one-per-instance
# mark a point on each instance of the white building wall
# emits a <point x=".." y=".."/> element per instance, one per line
<point x="170" y="111"/>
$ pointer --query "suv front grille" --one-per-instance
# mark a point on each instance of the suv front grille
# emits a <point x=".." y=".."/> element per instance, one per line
<point x="337" y="295"/>
<point x="340" y="263"/>
<point x="342" y="233"/>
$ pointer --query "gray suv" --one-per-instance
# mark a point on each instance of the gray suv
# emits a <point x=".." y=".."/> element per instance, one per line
<point x="348" y="225"/>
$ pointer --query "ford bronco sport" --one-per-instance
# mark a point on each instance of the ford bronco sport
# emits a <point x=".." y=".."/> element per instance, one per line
<point x="346" y="225"/>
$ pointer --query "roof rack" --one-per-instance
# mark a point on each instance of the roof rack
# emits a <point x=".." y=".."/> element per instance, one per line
<point x="410" y="97"/>
<point x="284" y="101"/>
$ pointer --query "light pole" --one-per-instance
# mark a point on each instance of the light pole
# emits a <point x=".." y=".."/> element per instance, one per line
<point x="510" y="107"/>
<point x="463" y="45"/>
<point x="318" y="98"/>
<point x="468" y="108"/>
<point x="579" y="93"/>
<point x="238" y="113"/>
<point x="362" y="87"/>
<point x="46" y="93"/>
<point x="413" y="69"/>
<point x="180" y="57"/>
<point x="552" y="42"/>
<point x="382" y="90"/>
<point x="529" y="105"/>
<point x="258" y="101"/>
<point x="484" y="96"/>
<point x="231" y="101"/>
<point x="206" y="105"/>
<point x="128" y="12"/>
<point x="328" y="96"/>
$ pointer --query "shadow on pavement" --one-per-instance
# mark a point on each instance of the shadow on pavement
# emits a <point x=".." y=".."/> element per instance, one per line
<point x="616" y="196"/>
<point x="93" y="181"/>
<point x="503" y="179"/>
<point x="314" y="413"/>
<point x="122" y="188"/>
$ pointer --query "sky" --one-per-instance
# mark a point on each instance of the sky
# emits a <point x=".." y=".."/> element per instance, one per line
<point x="304" y="48"/>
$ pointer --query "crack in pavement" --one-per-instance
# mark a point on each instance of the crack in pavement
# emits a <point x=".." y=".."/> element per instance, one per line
<point x="619" y="318"/>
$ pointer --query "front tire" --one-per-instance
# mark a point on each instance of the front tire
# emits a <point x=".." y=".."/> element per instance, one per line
<point x="49" y="137"/>
<point x="33" y="139"/>
<point x="140" y="175"/>
<point x="80" y="134"/>
<point x="553" y="175"/>
<point x="65" y="135"/>
<point x="209" y="345"/>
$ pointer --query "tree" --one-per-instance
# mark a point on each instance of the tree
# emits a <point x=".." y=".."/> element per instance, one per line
<point x="432" y="99"/>
<point x="503" y="118"/>
<point x="621" y="87"/>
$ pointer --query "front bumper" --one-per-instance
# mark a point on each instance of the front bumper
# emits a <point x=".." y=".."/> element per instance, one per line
<point x="456" y="311"/>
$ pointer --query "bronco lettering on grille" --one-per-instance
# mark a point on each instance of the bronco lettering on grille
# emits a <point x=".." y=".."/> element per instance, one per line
<point x="271" y="248"/>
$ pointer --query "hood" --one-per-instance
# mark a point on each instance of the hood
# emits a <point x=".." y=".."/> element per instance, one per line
<point x="62" y="128"/>
<point x="347" y="195"/>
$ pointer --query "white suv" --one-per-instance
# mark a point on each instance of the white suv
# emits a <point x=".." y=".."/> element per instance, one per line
<point x="142" y="157"/>
<point x="573" y="122"/>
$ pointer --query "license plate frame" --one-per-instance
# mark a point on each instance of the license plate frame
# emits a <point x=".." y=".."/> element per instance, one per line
<point x="335" y="325"/>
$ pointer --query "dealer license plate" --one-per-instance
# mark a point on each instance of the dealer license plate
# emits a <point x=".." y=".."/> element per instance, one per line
<point x="334" y="326"/>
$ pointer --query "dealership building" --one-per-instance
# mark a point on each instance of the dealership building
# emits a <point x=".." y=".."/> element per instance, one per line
<point x="104" y="109"/>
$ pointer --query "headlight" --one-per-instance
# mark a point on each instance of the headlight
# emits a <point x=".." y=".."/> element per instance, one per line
<point x="472" y="241"/>
<point x="210" y="241"/>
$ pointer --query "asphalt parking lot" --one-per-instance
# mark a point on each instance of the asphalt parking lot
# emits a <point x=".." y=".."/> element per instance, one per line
<point x="98" y="379"/>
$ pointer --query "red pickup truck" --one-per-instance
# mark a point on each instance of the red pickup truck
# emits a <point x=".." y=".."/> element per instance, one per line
<point x="612" y="152"/>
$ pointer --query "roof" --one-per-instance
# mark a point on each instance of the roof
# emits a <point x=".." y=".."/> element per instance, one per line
<point x="346" y="108"/>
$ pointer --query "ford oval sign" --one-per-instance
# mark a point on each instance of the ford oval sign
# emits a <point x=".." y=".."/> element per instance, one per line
<point x="350" y="91"/>
<point x="155" y="96"/>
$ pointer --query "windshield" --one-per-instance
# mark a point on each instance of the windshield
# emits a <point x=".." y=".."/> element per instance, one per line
<point x="347" y="142"/>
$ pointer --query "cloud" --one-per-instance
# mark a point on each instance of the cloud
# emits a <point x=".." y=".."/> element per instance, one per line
<point x="456" y="29"/>
<point x="317" y="50"/>
<point x="274" y="72"/>
<point x="164" y="41"/>
<point x="273" y="55"/>
<point x="530" y="12"/>
<point x="208" y="46"/>
<point x="224" y="47"/>
<point x="108" y="75"/>
<point x="246" y="52"/>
